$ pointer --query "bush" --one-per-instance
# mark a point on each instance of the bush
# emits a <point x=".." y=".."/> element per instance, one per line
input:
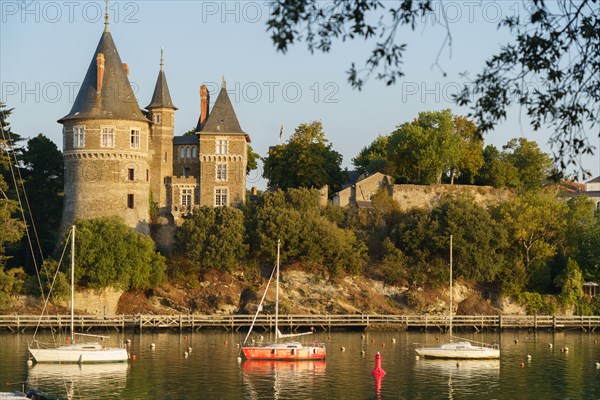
<point x="109" y="253"/>
<point x="532" y="301"/>
<point x="11" y="284"/>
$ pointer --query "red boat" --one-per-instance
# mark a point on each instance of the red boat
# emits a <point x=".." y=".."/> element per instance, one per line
<point x="281" y="351"/>
<point x="285" y="351"/>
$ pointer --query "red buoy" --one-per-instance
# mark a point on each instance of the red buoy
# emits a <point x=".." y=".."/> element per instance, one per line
<point x="378" y="372"/>
<point x="133" y="357"/>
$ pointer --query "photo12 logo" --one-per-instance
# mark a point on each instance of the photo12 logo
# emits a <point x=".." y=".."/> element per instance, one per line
<point x="271" y="92"/>
<point x="52" y="12"/>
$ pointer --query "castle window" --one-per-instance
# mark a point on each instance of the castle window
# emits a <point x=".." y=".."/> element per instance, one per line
<point x="135" y="139"/>
<point x="131" y="174"/>
<point x="220" y="197"/>
<point x="194" y="152"/>
<point x="221" y="146"/>
<point x="186" y="172"/>
<point x="182" y="152"/>
<point x="188" y="152"/>
<point x="147" y="175"/>
<point x="221" y="172"/>
<point x="165" y="157"/>
<point x="157" y="118"/>
<point x="78" y="137"/>
<point x="186" y="197"/>
<point x="107" y="137"/>
<point x="130" y="202"/>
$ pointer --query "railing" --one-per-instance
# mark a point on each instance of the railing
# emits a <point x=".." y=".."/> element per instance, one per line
<point x="233" y="322"/>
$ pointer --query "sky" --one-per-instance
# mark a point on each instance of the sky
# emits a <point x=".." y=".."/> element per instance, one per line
<point x="46" y="48"/>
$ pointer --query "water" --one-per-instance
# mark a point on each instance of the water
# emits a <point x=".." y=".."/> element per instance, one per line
<point x="211" y="370"/>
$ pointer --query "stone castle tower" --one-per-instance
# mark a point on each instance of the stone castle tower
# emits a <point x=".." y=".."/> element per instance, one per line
<point x="119" y="158"/>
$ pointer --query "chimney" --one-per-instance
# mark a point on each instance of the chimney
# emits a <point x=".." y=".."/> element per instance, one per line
<point x="204" y="103"/>
<point x="99" y="72"/>
<point x="126" y="68"/>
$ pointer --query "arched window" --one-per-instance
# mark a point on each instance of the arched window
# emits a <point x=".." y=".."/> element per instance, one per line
<point x="181" y="152"/>
<point x="194" y="152"/>
<point x="188" y="153"/>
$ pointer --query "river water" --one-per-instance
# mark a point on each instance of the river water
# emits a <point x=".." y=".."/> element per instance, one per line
<point x="211" y="370"/>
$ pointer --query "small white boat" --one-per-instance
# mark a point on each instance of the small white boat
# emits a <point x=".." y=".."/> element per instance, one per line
<point x="92" y="352"/>
<point x="462" y="349"/>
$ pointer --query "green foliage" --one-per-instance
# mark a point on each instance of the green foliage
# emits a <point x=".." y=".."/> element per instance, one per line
<point x="373" y="158"/>
<point x="213" y="237"/>
<point x="533" y="165"/>
<point x="13" y="229"/>
<point x="252" y="158"/>
<point x="42" y="170"/>
<point x="109" y="253"/>
<point x="571" y="284"/>
<point x="393" y="265"/>
<point x="307" y="235"/>
<point x="306" y="161"/>
<point x="11" y="284"/>
<point x="534" y="220"/>
<point x="520" y="165"/>
<point x="532" y="301"/>
<point x="589" y="250"/>
<point x="435" y="144"/>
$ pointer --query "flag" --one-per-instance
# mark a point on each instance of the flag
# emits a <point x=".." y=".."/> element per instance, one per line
<point x="281" y="132"/>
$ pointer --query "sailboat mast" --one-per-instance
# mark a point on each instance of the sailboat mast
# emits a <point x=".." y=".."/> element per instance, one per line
<point x="450" y="285"/>
<point x="73" y="285"/>
<point x="277" y="293"/>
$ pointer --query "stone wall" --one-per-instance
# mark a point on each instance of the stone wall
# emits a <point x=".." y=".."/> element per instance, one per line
<point x="426" y="196"/>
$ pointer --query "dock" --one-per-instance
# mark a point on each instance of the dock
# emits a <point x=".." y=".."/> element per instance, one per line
<point x="196" y="322"/>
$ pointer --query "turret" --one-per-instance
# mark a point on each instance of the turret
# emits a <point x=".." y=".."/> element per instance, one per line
<point x="105" y="144"/>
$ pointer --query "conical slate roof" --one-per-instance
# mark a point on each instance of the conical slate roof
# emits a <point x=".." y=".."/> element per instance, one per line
<point x="116" y="99"/>
<point x="161" y="96"/>
<point x="222" y="118"/>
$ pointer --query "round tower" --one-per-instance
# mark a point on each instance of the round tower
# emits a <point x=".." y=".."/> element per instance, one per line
<point x="105" y="145"/>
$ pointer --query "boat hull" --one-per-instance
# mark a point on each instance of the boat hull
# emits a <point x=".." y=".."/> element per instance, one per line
<point x="79" y="354"/>
<point x="459" y="351"/>
<point x="291" y="353"/>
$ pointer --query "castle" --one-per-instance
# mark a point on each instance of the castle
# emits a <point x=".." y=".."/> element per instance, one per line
<point x="124" y="161"/>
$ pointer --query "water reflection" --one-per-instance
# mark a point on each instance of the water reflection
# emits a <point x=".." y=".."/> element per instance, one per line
<point x="462" y="376"/>
<point x="280" y="379"/>
<point x="79" y="381"/>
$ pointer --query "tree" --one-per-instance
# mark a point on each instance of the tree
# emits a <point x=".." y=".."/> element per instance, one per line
<point x="252" y="157"/>
<point x="373" y="158"/>
<point x="533" y="165"/>
<point x="534" y="220"/>
<point x="306" y="161"/>
<point x="479" y="240"/>
<point x="470" y="148"/>
<point x="423" y="150"/>
<point x="571" y="283"/>
<point x="555" y="46"/>
<point x="42" y="171"/>
<point x="496" y="171"/>
<point x="123" y="258"/>
<point x="306" y="234"/>
<point x="13" y="228"/>
<point x="213" y="237"/>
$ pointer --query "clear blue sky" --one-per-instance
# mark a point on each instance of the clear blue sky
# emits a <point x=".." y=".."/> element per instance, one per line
<point x="46" y="47"/>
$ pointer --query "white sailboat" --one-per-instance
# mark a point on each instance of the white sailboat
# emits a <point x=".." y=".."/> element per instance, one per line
<point x="290" y="351"/>
<point x="72" y="352"/>
<point x="463" y="349"/>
